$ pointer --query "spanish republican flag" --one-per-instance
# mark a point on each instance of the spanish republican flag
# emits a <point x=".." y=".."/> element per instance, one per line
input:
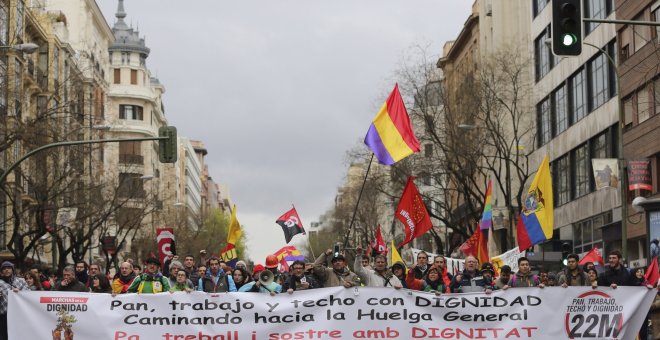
<point x="537" y="213"/>
<point x="390" y="136"/>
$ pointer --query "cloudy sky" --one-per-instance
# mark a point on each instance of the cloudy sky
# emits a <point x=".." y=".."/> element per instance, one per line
<point x="278" y="90"/>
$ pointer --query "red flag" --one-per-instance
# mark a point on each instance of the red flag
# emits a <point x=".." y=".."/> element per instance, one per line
<point x="523" y="238"/>
<point x="652" y="275"/>
<point x="291" y="224"/>
<point x="378" y="246"/>
<point x="412" y="213"/>
<point x="476" y="246"/>
<point x="165" y="239"/>
<point x="594" y="255"/>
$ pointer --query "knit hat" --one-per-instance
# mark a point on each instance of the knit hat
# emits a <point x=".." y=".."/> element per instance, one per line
<point x="258" y="269"/>
<point x="7" y="264"/>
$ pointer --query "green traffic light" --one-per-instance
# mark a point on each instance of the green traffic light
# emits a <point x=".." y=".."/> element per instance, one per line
<point x="569" y="40"/>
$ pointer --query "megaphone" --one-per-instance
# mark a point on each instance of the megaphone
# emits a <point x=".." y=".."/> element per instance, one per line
<point x="266" y="277"/>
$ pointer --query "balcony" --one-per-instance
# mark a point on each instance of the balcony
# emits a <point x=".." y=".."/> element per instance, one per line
<point x="131" y="159"/>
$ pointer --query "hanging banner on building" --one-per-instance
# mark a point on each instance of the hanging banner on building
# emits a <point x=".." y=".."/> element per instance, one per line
<point x="639" y="174"/>
<point x="333" y="313"/>
<point x="606" y="172"/>
<point x="165" y="240"/>
<point x="510" y="258"/>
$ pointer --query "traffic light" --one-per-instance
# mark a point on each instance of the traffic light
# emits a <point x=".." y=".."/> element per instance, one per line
<point x="167" y="148"/>
<point x="565" y="251"/>
<point x="567" y="27"/>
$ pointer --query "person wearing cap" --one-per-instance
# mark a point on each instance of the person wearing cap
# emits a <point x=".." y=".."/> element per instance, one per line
<point x="471" y="278"/>
<point x="8" y="281"/>
<point x="151" y="281"/>
<point x="572" y="275"/>
<point x="259" y="286"/>
<point x="70" y="282"/>
<point x="505" y="276"/>
<point x="271" y="264"/>
<point x="399" y="270"/>
<point x="338" y="275"/>
<point x="379" y="276"/>
<point x="216" y="280"/>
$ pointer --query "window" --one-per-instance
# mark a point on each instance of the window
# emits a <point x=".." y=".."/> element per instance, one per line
<point x="539" y="5"/>
<point x="561" y="109"/>
<point x="544" y="121"/>
<point x="596" y="9"/>
<point x="578" y="85"/>
<point x="563" y="179"/>
<point x="600" y="148"/>
<point x="581" y="167"/>
<point x="542" y="54"/>
<point x="4" y="24"/>
<point x="117" y="76"/>
<point x="130" y="112"/>
<point x="20" y="7"/>
<point x="641" y="33"/>
<point x="643" y="107"/>
<point x="133" y="77"/>
<point x="588" y="233"/>
<point x="599" y="81"/>
<point x="130" y="153"/>
<point x="130" y="186"/>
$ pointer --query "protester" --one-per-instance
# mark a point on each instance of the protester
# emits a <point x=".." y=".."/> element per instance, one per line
<point x="298" y="279"/>
<point x="259" y="285"/>
<point x="338" y="275"/>
<point x="189" y="267"/>
<point x="93" y="270"/>
<point x="615" y="274"/>
<point x="572" y="275"/>
<point x="241" y="277"/>
<point x="399" y="270"/>
<point x="32" y="281"/>
<point x="81" y="272"/>
<point x="8" y="281"/>
<point x="271" y="264"/>
<point x="505" y="276"/>
<point x="216" y="280"/>
<point x="151" y="281"/>
<point x="174" y="267"/>
<point x="69" y="282"/>
<point x="123" y="279"/>
<point x="592" y="273"/>
<point x="552" y="279"/>
<point x="379" y="276"/>
<point x="470" y="279"/>
<point x="99" y="283"/>
<point x="181" y="282"/>
<point x="137" y="269"/>
<point x="258" y="268"/>
<point x="422" y="265"/>
<point x="524" y="276"/>
<point x="431" y="282"/>
<point x="488" y="274"/>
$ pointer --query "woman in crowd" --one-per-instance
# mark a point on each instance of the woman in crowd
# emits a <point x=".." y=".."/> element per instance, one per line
<point x="181" y="283"/>
<point x="593" y="276"/>
<point x="32" y="281"/>
<point x="638" y="279"/>
<point x="241" y="277"/>
<point x="100" y="284"/>
<point x="431" y="282"/>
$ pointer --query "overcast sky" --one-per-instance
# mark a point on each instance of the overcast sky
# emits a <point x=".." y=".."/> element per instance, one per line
<point x="278" y="90"/>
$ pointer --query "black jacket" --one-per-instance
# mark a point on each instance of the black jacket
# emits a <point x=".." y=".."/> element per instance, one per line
<point x="293" y="282"/>
<point x="620" y="277"/>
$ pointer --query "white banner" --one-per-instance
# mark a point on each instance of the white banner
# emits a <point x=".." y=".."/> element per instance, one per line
<point x="333" y="313"/>
<point x="509" y="258"/>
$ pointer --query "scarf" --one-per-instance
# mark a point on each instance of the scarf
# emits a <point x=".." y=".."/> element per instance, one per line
<point x="128" y="278"/>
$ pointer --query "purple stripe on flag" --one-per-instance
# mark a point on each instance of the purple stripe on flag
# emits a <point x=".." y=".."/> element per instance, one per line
<point x="295" y="258"/>
<point x="376" y="145"/>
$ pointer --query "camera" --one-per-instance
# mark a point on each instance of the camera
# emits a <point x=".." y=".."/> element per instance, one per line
<point x="335" y="252"/>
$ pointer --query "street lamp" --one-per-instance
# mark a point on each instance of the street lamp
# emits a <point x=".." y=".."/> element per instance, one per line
<point x="28" y="48"/>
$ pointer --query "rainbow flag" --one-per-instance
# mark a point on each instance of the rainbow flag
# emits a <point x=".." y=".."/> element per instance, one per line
<point x="487" y="215"/>
<point x="390" y="136"/>
<point x="537" y="213"/>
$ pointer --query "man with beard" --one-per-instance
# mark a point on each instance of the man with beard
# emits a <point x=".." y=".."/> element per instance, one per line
<point x="380" y="276"/>
<point x="615" y="274"/>
<point x="8" y="281"/>
<point x="338" y="275"/>
<point x="81" y="272"/>
<point x="151" y="281"/>
<point x="298" y="280"/>
<point x="422" y="265"/>
<point x="124" y="279"/>
<point x="572" y="275"/>
<point x="69" y="282"/>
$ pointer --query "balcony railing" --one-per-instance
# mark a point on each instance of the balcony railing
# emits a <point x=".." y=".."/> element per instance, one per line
<point x="131" y="159"/>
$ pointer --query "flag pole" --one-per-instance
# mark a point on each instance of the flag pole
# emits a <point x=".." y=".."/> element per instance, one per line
<point x="350" y="227"/>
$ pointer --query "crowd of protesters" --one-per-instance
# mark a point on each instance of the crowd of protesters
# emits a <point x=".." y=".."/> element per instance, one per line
<point x="330" y="269"/>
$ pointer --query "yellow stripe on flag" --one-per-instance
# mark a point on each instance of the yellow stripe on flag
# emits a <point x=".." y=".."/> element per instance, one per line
<point x="234" y="233"/>
<point x="390" y="135"/>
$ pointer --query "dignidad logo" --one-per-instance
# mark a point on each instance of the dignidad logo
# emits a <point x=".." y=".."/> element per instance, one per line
<point x="594" y="315"/>
<point x="63" y="305"/>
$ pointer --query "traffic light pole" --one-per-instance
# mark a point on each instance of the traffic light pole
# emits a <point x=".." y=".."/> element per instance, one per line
<point x="624" y="22"/>
<point x="4" y="175"/>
